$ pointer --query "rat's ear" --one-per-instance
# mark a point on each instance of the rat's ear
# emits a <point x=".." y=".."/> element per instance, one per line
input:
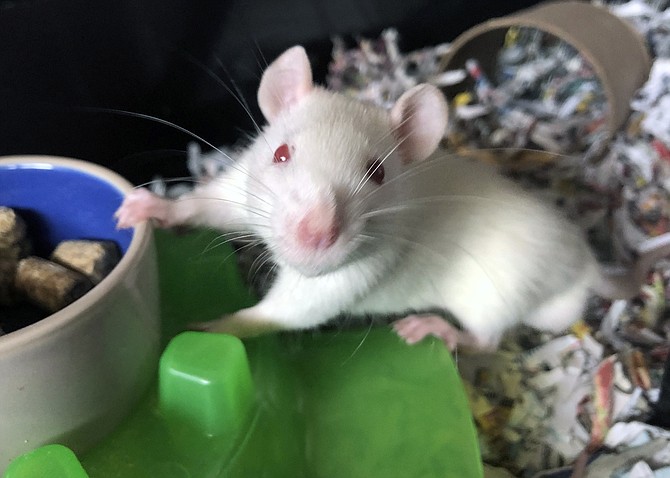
<point x="285" y="82"/>
<point x="419" y="119"/>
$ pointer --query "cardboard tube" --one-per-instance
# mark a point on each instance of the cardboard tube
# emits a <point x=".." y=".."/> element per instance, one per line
<point x="617" y="53"/>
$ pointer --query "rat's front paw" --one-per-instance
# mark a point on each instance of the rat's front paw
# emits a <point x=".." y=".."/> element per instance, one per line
<point x="139" y="206"/>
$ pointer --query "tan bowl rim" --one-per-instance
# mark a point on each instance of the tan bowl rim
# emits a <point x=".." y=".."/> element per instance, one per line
<point x="73" y="312"/>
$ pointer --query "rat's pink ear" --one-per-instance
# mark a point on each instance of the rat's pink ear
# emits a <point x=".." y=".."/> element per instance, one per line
<point x="419" y="120"/>
<point x="285" y="82"/>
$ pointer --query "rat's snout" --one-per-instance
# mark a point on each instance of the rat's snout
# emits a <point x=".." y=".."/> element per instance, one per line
<point x="319" y="228"/>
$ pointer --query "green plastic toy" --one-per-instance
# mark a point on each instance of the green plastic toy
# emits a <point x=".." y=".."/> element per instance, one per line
<point x="326" y="404"/>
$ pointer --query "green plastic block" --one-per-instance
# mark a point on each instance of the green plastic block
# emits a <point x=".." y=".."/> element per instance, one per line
<point x="205" y="383"/>
<point x="334" y="403"/>
<point x="53" y="461"/>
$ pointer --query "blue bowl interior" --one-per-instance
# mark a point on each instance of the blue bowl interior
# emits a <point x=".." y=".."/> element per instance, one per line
<point x="60" y="203"/>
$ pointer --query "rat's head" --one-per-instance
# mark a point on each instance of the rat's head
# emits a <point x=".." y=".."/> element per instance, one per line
<point x="325" y="160"/>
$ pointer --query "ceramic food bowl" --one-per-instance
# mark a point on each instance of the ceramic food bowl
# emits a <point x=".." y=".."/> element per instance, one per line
<point x="71" y="377"/>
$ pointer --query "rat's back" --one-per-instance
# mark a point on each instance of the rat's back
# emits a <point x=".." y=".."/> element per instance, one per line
<point x="488" y="252"/>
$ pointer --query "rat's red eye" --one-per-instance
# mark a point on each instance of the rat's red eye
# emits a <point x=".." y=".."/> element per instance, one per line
<point x="282" y="154"/>
<point x="375" y="171"/>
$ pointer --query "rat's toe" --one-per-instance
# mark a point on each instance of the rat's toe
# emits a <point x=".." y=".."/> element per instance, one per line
<point x="415" y="328"/>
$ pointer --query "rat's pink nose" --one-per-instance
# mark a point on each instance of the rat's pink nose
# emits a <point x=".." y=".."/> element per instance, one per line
<point x="319" y="228"/>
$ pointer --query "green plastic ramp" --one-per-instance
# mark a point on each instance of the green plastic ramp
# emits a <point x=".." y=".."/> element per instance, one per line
<point x="322" y="404"/>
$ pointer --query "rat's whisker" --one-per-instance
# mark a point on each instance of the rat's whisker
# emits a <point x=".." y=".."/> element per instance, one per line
<point x="368" y="174"/>
<point x="239" y="97"/>
<point x="360" y="344"/>
<point x="237" y="251"/>
<point x="260" y="261"/>
<point x="234" y="91"/>
<point x="252" y="210"/>
<point x="411" y="204"/>
<point x="230" y="161"/>
<point x="226" y="238"/>
<point x="155" y="153"/>
<point x="182" y="179"/>
<point x="403" y="176"/>
<point x="134" y="114"/>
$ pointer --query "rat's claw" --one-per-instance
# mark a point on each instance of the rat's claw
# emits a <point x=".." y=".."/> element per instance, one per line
<point x="141" y="205"/>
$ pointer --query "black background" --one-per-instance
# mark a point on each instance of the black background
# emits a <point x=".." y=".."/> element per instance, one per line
<point x="160" y="57"/>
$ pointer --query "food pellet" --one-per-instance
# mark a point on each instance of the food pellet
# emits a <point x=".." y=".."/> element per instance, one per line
<point x="12" y="227"/>
<point x="49" y="285"/>
<point x="7" y="270"/>
<point x="33" y="287"/>
<point x="94" y="259"/>
<point x="13" y="247"/>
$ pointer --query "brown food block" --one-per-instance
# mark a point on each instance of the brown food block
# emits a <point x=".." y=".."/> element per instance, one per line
<point x="7" y="272"/>
<point x="49" y="285"/>
<point x="12" y="227"/>
<point x="14" y="252"/>
<point x="94" y="259"/>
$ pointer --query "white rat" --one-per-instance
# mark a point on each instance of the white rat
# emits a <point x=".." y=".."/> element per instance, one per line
<point x="363" y="215"/>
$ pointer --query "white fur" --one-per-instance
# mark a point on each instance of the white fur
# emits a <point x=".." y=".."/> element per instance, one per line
<point x="492" y="255"/>
<point x="455" y="235"/>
